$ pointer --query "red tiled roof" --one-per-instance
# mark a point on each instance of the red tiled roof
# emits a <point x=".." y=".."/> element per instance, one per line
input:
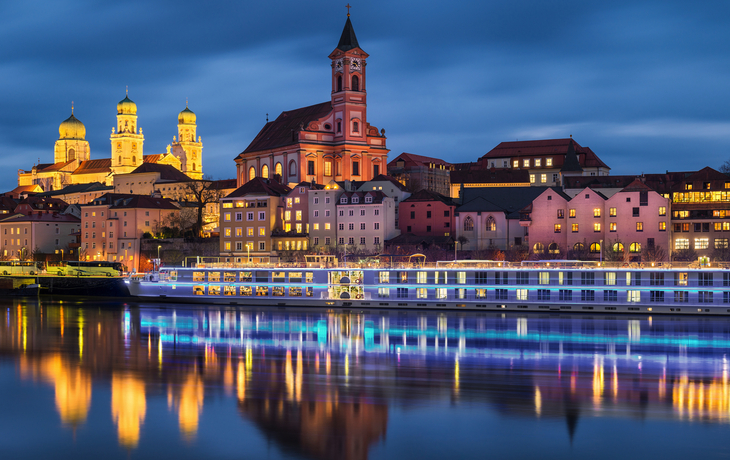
<point x="428" y="195"/>
<point x="153" y="158"/>
<point x="167" y="173"/>
<point x="278" y="133"/>
<point x="636" y="186"/>
<point x="386" y="178"/>
<point x="45" y="217"/>
<point x="490" y="176"/>
<point x="94" y="166"/>
<point x="54" y="166"/>
<point x="545" y="147"/>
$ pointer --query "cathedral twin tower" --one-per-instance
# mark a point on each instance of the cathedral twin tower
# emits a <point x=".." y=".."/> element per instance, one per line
<point x="72" y="163"/>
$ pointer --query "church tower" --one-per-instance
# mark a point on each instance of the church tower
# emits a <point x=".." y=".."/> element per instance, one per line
<point x="349" y="99"/>
<point x="186" y="149"/>
<point x="71" y="144"/>
<point x="127" y="143"/>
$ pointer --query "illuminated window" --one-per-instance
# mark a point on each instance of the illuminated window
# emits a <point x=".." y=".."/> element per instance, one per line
<point x="544" y="277"/>
<point x="516" y="164"/>
<point x="633" y="296"/>
<point x="596" y="212"/>
<point x="595" y="248"/>
<point x="681" y="243"/>
<point x="574" y="228"/>
<point x="596" y="227"/>
<point x="421" y="277"/>
<point x="521" y="294"/>
<point x="532" y="178"/>
<point x="721" y="243"/>
<point x="526" y="163"/>
<point x="635" y="248"/>
<point x="702" y="243"/>
<point x="610" y="278"/>
<point x="662" y="226"/>
<point x="265" y="171"/>
<point x="662" y="211"/>
<point x="328" y="167"/>
<point x="639" y="226"/>
<point x="468" y="224"/>
<point x="421" y="293"/>
<point x="538" y="248"/>
<point x="548" y="162"/>
<point x="557" y="228"/>
<point x="491" y="224"/>
<point x="262" y="231"/>
<point x="538" y="162"/>
<point x="612" y="227"/>
<point x="278" y="169"/>
<point x="612" y="212"/>
<point x="571" y="213"/>
<point x="251" y="173"/>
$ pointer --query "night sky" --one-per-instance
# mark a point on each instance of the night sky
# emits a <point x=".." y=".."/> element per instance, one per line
<point x="643" y="83"/>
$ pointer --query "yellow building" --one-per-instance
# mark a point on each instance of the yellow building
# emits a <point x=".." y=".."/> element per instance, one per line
<point x="72" y="163"/>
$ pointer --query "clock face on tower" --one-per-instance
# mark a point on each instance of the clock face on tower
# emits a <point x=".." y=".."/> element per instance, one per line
<point x="338" y="65"/>
<point x="355" y="64"/>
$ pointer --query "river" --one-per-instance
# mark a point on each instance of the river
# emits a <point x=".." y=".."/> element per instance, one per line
<point x="139" y="380"/>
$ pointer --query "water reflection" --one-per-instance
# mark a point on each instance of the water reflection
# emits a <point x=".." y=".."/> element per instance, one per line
<point x="321" y="383"/>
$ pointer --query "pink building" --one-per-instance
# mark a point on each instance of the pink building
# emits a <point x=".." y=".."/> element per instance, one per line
<point x="632" y="221"/>
<point x="427" y="213"/>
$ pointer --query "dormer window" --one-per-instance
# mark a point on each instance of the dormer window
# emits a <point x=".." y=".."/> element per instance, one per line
<point x="355" y="199"/>
<point x="368" y="199"/>
<point x="343" y="200"/>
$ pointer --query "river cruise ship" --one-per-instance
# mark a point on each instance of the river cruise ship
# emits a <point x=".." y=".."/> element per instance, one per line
<point x="475" y="285"/>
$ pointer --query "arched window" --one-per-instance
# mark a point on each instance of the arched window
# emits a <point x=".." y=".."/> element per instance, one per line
<point x="538" y="248"/>
<point x="134" y="160"/>
<point x="635" y="248"/>
<point x="355" y="127"/>
<point x="193" y="166"/>
<point x="265" y="171"/>
<point x="355" y="83"/>
<point x="618" y="247"/>
<point x="553" y="248"/>
<point x="595" y="248"/>
<point x="578" y="247"/>
<point x="292" y="168"/>
<point x="468" y="224"/>
<point x="251" y="173"/>
<point x="491" y="224"/>
<point x="339" y="83"/>
<point x="120" y="159"/>
<point x="278" y="169"/>
<point x="71" y="154"/>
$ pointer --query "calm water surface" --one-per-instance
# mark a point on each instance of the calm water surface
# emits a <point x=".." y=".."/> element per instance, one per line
<point x="113" y="380"/>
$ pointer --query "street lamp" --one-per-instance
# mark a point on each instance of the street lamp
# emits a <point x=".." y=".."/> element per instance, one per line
<point x="61" y="252"/>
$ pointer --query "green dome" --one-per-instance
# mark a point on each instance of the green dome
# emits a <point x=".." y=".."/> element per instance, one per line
<point x="186" y="117"/>
<point x="72" y="128"/>
<point x="127" y="107"/>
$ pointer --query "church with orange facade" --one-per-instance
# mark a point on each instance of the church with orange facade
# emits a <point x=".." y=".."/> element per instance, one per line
<point x="330" y="141"/>
<point x="72" y="163"/>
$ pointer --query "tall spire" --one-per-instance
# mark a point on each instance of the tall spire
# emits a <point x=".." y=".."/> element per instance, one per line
<point x="348" y="40"/>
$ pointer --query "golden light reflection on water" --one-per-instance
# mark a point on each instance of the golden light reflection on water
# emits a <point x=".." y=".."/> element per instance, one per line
<point x="129" y="407"/>
<point x="189" y="405"/>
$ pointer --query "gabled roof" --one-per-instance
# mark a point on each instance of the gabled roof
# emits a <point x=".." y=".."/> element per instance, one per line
<point x="385" y="178"/>
<point x="705" y="174"/>
<point x="124" y="200"/>
<point x="428" y="195"/>
<point x="662" y="183"/>
<point x="278" y="133"/>
<point x="545" y="147"/>
<point x="377" y="197"/>
<point x="636" y="186"/>
<point x="260" y="186"/>
<point x="167" y="173"/>
<point x="412" y="159"/>
<point x="348" y="40"/>
<point x="103" y="165"/>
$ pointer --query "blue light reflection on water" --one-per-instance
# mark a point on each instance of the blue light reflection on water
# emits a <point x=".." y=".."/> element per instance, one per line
<point x="334" y="384"/>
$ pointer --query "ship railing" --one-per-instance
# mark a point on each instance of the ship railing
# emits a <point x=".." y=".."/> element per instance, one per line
<point x="473" y="264"/>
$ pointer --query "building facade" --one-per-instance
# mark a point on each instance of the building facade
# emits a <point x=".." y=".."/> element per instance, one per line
<point x="365" y="220"/>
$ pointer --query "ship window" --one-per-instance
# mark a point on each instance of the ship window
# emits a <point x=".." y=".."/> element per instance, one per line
<point x="278" y="291"/>
<point x="295" y="292"/>
<point x="229" y="277"/>
<point x="295" y="277"/>
<point x="309" y="278"/>
<point x="245" y="277"/>
<point x="278" y="277"/>
<point x="198" y="276"/>
<point x="229" y="290"/>
<point x="262" y="291"/>
<point x="246" y="291"/>
<point x="214" y="277"/>
<point x="214" y="290"/>
<point x="199" y="290"/>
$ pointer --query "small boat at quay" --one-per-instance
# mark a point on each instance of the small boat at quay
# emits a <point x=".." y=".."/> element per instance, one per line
<point x="545" y="286"/>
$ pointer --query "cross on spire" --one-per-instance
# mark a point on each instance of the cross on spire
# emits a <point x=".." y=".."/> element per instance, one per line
<point x="348" y="9"/>
<point x="127" y="91"/>
<point x="72" y="107"/>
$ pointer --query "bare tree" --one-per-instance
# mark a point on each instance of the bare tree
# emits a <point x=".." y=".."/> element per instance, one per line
<point x="653" y="254"/>
<point x="201" y="193"/>
<point x="725" y="167"/>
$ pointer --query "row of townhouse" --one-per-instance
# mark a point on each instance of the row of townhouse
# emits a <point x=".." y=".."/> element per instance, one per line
<point x="263" y="218"/>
